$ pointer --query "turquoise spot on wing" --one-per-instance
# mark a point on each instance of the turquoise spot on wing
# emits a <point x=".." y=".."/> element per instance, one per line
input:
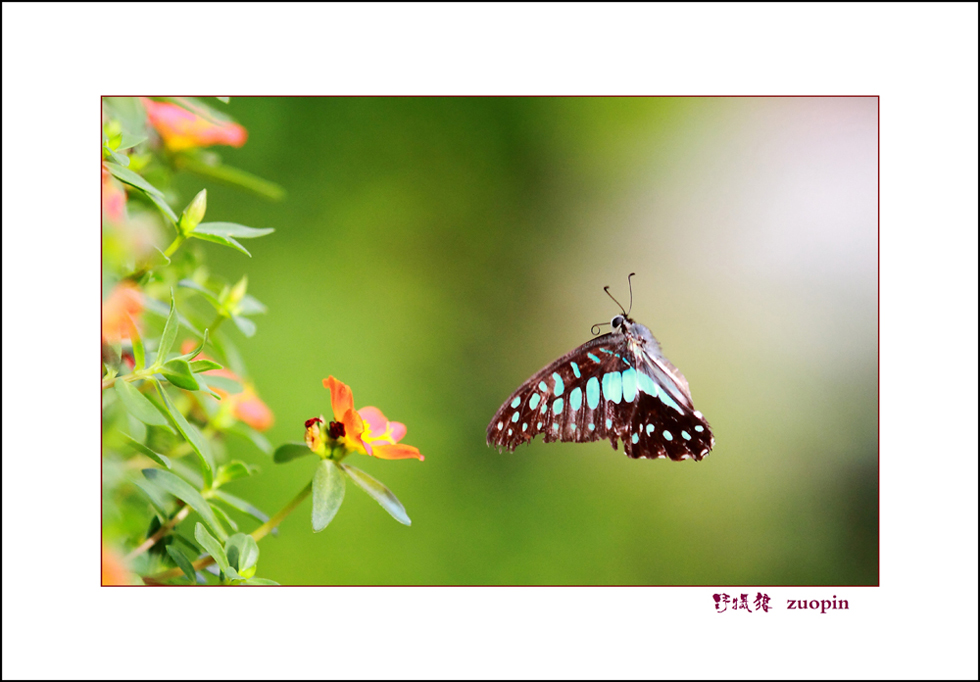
<point x="578" y="375"/>
<point x="543" y="386"/>
<point x="516" y="402"/>
<point x="539" y="426"/>
<point x="571" y="426"/>
<point x="592" y="393"/>
<point x="667" y="400"/>
<point x="686" y="435"/>
<point x="535" y="399"/>
<point x="594" y="358"/>
<point x="591" y="427"/>
<point x="650" y="428"/>
<point x="636" y="438"/>
<point x="559" y="384"/>
<point x="607" y="352"/>
<point x="575" y="398"/>
<point x="557" y="407"/>
<point x="646" y="384"/>
<point x="667" y="435"/>
<point x="517" y="415"/>
<point x="524" y="427"/>
<point x="555" y="426"/>
<point x="699" y="428"/>
<point x="629" y="385"/>
<point x="609" y="423"/>
<point x="612" y="387"/>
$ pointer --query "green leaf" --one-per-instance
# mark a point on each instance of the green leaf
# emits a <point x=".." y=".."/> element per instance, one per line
<point x="169" y="334"/>
<point x="224" y="516"/>
<point x="121" y="159"/>
<point x="132" y="179"/>
<point x="224" y="100"/>
<point x="242" y="506"/>
<point x="246" y="431"/>
<point x="138" y="405"/>
<point x="328" y="493"/>
<point x="139" y="447"/>
<point x="190" y="356"/>
<point x="232" y="471"/>
<point x="139" y="353"/>
<point x="250" y="305"/>
<point x="260" y="581"/>
<point x="196" y="162"/>
<point x="224" y="383"/>
<point x="245" y="325"/>
<point x="213" y="547"/>
<point x="243" y="552"/>
<point x="137" y="429"/>
<point x="161" y="309"/>
<point x="198" y="366"/>
<point x="164" y="207"/>
<point x="218" y="239"/>
<point x="233" y="230"/>
<point x="203" y="383"/>
<point x="183" y="563"/>
<point x="182" y="490"/>
<point x="191" y="284"/>
<point x="379" y="492"/>
<point x="192" y="436"/>
<point x="178" y="372"/>
<point x="154" y="495"/>
<point x="290" y="451"/>
<point x="130" y="140"/>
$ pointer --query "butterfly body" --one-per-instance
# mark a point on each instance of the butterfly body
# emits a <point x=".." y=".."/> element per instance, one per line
<point x="617" y="386"/>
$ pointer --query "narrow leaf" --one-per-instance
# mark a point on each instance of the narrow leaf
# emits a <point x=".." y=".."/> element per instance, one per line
<point x="224" y="383"/>
<point x="191" y="284"/>
<point x="245" y="325"/>
<point x="242" y="506"/>
<point x="198" y="366"/>
<point x="133" y="179"/>
<point x="154" y="495"/>
<point x="190" y="356"/>
<point x="246" y="431"/>
<point x="328" y="493"/>
<point x="139" y="447"/>
<point x="290" y="451"/>
<point x="182" y="490"/>
<point x="169" y="334"/>
<point x="192" y="436"/>
<point x="224" y="241"/>
<point x="379" y="492"/>
<point x="223" y="515"/>
<point x="232" y="471"/>
<point x="250" y="305"/>
<point x="164" y="207"/>
<point x="233" y="230"/>
<point x="178" y="372"/>
<point x="183" y="563"/>
<point x="260" y="581"/>
<point x="213" y="547"/>
<point x="137" y="404"/>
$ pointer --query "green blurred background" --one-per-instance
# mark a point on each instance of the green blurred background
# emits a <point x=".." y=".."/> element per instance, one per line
<point x="433" y="253"/>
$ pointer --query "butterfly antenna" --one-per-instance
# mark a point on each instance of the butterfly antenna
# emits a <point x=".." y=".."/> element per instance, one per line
<point x="597" y="327"/>
<point x="606" y="289"/>
<point x="629" y="280"/>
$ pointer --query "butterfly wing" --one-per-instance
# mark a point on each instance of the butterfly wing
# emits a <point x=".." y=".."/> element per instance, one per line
<point x="609" y="388"/>
<point x="564" y="400"/>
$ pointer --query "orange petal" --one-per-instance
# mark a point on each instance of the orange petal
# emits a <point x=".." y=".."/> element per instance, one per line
<point x="251" y="410"/>
<point x="341" y="400"/>
<point x="397" y="452"/>
<point x="353" y="425"/>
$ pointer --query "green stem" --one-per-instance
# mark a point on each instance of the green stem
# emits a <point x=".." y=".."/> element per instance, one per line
<point x="163" y="530"/>
<point x="174" y="245"/>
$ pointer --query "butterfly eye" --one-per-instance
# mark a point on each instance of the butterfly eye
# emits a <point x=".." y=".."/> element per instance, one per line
<point x="617" y="321"/>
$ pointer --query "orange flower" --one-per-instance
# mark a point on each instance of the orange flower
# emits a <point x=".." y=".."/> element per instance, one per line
<point x="245" y="406"/>
<point x="120" y="310"/>
<point x="113" y="198"/>
<point x="182" y="129"/>
<point x="114" y="571"/>
<point x="366" y="430"/>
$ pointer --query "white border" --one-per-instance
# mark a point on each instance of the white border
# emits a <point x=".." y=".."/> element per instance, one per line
<point x="921" y="59"/>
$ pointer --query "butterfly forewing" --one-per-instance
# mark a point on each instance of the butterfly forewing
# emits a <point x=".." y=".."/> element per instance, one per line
<point x="609" y="388"/>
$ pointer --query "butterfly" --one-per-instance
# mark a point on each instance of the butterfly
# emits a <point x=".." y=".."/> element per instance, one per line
<point x="617" y="386"/>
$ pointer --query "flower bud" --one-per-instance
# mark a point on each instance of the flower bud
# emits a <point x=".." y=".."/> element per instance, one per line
<point x="194" y="213"/>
